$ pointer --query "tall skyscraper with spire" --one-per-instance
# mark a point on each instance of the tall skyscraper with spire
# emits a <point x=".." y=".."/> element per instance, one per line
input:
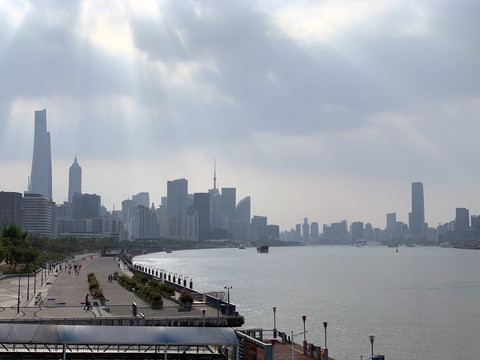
<point x="41" y="176"/>
<point x="74" y="180"/>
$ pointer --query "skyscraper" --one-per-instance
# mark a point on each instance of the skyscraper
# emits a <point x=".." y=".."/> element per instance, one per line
<point x="41" y="176"/>
<point x="11" y="211"/>
<point x="417" y="216"/>
<point x="462" y="222"/>
<point x="74" y="180"/>
<point x="229" y="201"/>
<point x="177" y="201"/>
<point x="201" y="203"/>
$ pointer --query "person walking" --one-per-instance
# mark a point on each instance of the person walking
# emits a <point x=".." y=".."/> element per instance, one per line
<point x="87" y="303"/>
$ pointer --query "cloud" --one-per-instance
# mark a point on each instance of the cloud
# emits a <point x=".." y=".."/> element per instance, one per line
<point x="379" y="91"/>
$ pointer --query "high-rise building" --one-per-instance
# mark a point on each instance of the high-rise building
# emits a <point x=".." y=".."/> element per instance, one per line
<point x="41" y="176"/>
<point x="39" y="215"/>
<point x="177" y="201"/>
<point x="74" y="180"/>
<point x="142" y="198"/>
<point x="229" y="201"/>
<point x="314" y="230"/>
<point x="11" y="211"/>
<point x="86" y="206"/>
<point x="306" y="230"/>
<point x="391" y="221"/>
<point x="201" y="203"/>
<point x="357" y="230"/>
<point x="417" y="216"/>
<point x="145" y="225"/>
<point x="462" y="222"/>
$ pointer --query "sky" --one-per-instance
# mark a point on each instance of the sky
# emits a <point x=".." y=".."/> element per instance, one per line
<point x="321" y="109"/>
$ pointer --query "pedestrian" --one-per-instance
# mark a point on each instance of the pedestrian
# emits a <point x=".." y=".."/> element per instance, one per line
<point x="87" y="303"/>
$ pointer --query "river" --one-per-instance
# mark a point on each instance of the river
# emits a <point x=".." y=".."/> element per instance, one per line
<point x="421" y="303"/>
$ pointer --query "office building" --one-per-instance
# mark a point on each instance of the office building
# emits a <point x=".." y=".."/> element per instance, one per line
<point x="417" y="216"/>
<point x="462" y="223"/>
<point x="191" y="224"/>
<point x="305" y="230"/>
<point x="142" y="198"/>
<point x="39" y="215"/>
<point x="11" y="211"/>
<point x="229" y="201"/>
<point x="86" y="206"/>
<point x="177" y="204"/>
<point x="201" y="203"/>
<point x="357" y="230"/>
<point x="41" y="176"/>
<point x="314" y="231"/>
<point x="74" y="180"/>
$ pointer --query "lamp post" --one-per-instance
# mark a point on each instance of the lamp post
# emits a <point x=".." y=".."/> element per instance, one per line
<point x="274" y="322"/>
<point x="18" y="296"/>
<point x="228" y="293"/>
<point x="372" y="339"/>
<point x="28" y="286"/>
<point x="325" y="350"/>
<point x="304" y="318"/>
<point x="203" y="313"/>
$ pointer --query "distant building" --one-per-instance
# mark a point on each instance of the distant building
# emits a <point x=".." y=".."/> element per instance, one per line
<point x="39" y="215"/>
<point x="306" y="230"/>
<point x="391" y="221"/>
<point x="240" y="228"/>
<point x="41" y="175"/>
<point x="65" y="222"/>
<point x="229" y="198"/>
<point x="462" y="223"/>
<point x="74" y="180"/>
<point x="357" y="231"/>
<point x="336" y="233"/>
<point x="417" y="216"/>
<point x="142" y="198"/>
<point x="86" y="206"/>
<point x="177" y="204"/>
<point x="475" y="221"/>
<point x="145" y="225"/>
<point x="11" y="211"/>
<point x="201" y="203"/>
<point x="314" y="231"/>
<point x="191" y="224"/>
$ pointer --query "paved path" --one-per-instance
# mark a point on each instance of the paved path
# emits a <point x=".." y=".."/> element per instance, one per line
<point x="69" y="290"/>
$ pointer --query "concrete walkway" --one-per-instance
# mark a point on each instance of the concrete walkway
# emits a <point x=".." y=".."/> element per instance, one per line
<point x="65" y="297"/>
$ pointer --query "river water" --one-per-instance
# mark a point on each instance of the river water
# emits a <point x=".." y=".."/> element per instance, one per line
<point x="421" y="303"/>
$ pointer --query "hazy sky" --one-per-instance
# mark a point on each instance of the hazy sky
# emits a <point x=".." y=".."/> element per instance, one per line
<point x="326" y="109"/>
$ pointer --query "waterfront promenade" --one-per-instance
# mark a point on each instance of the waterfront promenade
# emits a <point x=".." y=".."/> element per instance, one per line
<point x="64" y="298"/>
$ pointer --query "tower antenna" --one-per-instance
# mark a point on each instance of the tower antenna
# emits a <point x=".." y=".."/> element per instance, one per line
<point x="214" y="173"/>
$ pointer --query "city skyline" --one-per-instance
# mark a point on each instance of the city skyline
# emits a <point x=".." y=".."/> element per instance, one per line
<point x="328" y="111"/>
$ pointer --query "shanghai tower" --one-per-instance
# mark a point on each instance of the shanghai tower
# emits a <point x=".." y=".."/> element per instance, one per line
<point x="41" y="176"/>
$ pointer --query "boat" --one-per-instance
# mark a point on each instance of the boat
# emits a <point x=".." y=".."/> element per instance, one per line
<point x="168" y="251"/>
<point x="262" y="249"/>
<point x="242" y="247"/>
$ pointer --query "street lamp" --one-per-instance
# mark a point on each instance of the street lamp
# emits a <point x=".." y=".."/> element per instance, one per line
<point x="228" y="293"/>
<point x="372" y="339"/>
<point x="325" y="350"/>
<point x="274" y="322"/>
<point x="203" y="313"/>
<point x="18" y="298"/>
<point x="304" y="318"/>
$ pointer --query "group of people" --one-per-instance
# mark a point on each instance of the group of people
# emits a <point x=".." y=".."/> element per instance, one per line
<point x="110" y="278"/>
